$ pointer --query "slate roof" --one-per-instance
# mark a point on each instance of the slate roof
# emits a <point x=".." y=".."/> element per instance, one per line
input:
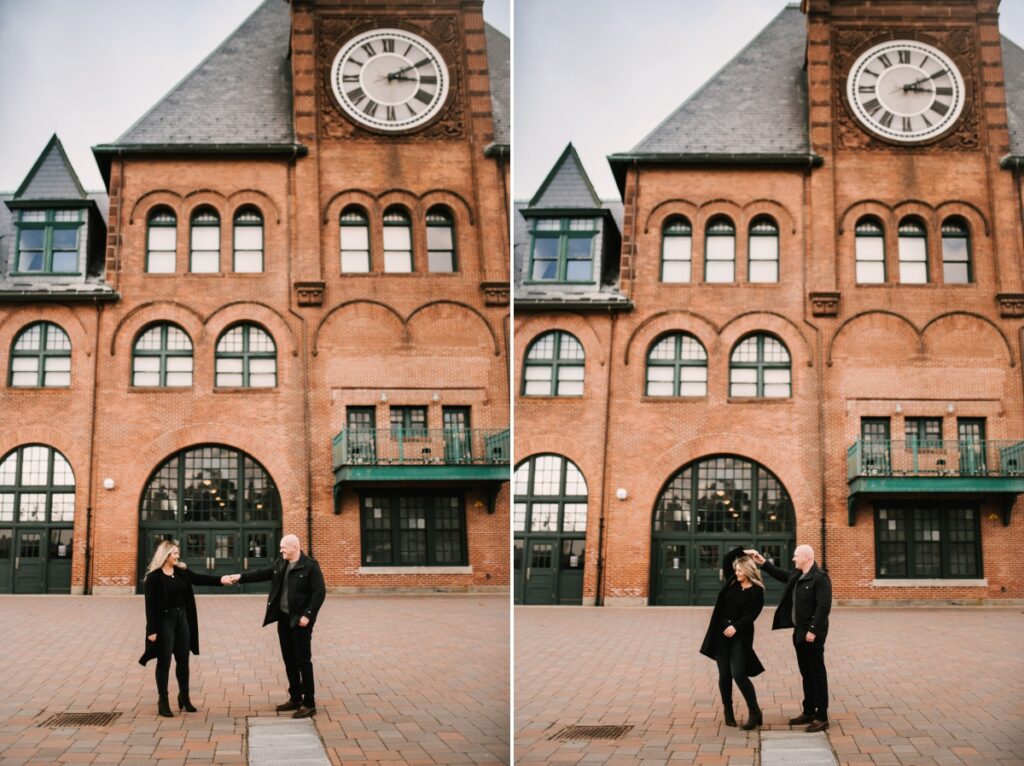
<point x="1013" y="73"/>
<point x="498" y="69"/>
<point x="566" y="186"/>
<point x="51" y="177"/>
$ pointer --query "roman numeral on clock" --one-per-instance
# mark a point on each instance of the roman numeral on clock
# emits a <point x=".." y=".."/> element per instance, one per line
<point x="943" y="91"/>
<point x="428" y="79"/>
<point x="389" y="45"/>
<point x="886" y="119"/>
<point x="390" y="114"/>
<point x="906" y="125"/>
<point x="886" y="61"/>
<point x="350" y="78"/>
<point x="370" y="110"/>
<point x="904" y="56"/>
<point x="369" y="49"/>
<point x="356" y="96"/>
<point x="871" y="105"/>
<point x="940" y="108"/>
<point x="866" y="89"/>
<point x="423" y="96"/>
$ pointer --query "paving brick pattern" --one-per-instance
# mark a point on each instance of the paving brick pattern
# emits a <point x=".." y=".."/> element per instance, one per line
<point x="400" y="680"/>
<point x="908" y="686"/>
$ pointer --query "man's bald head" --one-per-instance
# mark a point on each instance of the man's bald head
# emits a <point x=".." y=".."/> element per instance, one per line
<point x="803" y="557"/>
<point x="290" y="548"/>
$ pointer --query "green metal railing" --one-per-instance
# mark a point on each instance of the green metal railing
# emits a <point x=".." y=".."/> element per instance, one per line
<point x="421" y="446"/>
<point x="935" y="457"/>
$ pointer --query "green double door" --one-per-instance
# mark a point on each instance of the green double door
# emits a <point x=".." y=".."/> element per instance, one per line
<point x="549" y="570"/>
<point x="35" y="560"/>
<point x="218" y="552"/>
<point x="688" y="572"/>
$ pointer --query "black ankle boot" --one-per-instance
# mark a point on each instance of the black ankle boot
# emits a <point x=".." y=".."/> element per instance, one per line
<point x="754" y="719"/>
<point x="163" y="707"/>
<point x="184" y="703"/>
<point x="730" y="716"/>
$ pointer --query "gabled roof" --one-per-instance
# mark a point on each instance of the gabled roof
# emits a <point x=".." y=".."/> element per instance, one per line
<point x="1013" y="74"/>
<point x="51" y="178"/>
<point x="567" y="186"/>
<point x="498" y="71"/>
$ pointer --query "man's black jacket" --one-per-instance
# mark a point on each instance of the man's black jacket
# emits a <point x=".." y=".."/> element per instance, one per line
<point x="306" y="591"/>
<point x="813" y="598"/>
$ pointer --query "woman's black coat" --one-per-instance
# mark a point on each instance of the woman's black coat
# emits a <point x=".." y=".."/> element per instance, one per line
<point x="744" y="625"/>
<point x="156" y="601"/>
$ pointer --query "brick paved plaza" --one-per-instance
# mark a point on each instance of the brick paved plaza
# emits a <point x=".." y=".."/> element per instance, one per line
<point x="400" y="680"/>
<point x="915" y="686"/>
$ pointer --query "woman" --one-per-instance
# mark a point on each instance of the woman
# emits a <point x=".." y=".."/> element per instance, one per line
<point x="730" y="637"/>
<point x="171" y="626"/>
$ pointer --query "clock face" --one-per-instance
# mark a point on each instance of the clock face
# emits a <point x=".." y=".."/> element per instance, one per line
<point x="905" y="91"/>
<point x="390" y="80"/>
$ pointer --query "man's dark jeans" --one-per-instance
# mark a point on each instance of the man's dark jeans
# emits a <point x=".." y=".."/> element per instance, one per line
<point x="811" y="659"/>
<point x="296" y="649"/>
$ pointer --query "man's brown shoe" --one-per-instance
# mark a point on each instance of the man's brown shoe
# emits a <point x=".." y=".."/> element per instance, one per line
<point x="289" y="705"/>
<point x="817" y="726"/>
<point x="800" y="719"/>
<point x="309" y="712"/>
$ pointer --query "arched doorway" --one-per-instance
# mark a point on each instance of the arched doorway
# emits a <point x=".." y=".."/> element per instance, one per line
<point x="221" y="506"/>
<point x="706" y="509"/>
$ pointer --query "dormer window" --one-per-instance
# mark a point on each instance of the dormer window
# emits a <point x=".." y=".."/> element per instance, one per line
<point x="48" y="241"/>
<point x="563" y="250"/>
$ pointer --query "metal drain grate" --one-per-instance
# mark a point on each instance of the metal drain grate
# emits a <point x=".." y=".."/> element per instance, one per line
<point x="591" y="732"/>
<point x="79" y="719"/>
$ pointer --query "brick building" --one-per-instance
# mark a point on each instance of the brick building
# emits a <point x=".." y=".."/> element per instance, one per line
<point x="811" y="331"/>
<point x="293" y="317"/>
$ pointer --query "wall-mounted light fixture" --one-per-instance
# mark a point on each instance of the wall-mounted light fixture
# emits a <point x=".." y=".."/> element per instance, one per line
<point x="108" y="483"/>
<point x="899" y="408"/>
<point x="383" y="396"/>
<point x="621" y="493"/>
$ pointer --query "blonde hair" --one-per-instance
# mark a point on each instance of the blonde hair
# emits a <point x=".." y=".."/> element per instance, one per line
<point x="746" y="565"/>
<point x="163" y="550"/>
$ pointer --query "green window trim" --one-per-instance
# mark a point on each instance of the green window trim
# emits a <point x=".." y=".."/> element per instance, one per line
<point x="408" y="422"/>
<point x="866" y="230"/>
<point x="203" y="220"/>
<point x="398" y="249"/>
<point x="910" y="522"/>
<point x="391" y="532"/>
<point x="925" y="433"/>
<point x="41" y="236"/>
<point x="14" y="489"/>
<point x="164" y="356"/>
<point x="161" y="219"/>
<point x="762" y="228"/>
<point x="247" y="222"/>
<point x="563" y="232"/>
<point x="720" y="228"/>
<point x="688" y="357"/>
<point x="762" y="368"/>
<point x="677" y="228"/>
<point x="247" y="357"/>
<point x="956" y="230"/>
<point x="912" y="240"/>
<point x="527" y="498"/>
<point x="54" y="346"/>
<point x="441" y="250"/>
<point x="353" y="222"/>
<point x="563" y="369"/>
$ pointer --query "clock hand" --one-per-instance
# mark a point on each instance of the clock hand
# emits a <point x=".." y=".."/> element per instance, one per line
<point x="913" y="85"/>
<point x="395" y="75"/>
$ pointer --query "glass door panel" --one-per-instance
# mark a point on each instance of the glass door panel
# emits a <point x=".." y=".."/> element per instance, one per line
<point x="541" y="559"/>
<point x="673" y="579"/>
<point x="570" y="572"/>
<point x="28" y="561"/>
<point x="58" y="564"/>
<point x="6" y="560"/>
<point x="708" y="575"/>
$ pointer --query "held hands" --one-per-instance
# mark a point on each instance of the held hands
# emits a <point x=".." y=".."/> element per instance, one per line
<point x="729" y="632"/>
<point x="757" y="557"/>
<point x="230" y="579"/>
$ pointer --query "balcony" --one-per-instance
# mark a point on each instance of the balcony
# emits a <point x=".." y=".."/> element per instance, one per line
<point x="930" y="466"/>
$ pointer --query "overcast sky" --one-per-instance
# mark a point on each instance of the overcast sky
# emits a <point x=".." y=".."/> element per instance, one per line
<point x="604" y="73"/>
<point x="88" y="69"/>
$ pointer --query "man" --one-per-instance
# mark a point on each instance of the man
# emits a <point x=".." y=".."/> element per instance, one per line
<point x="296" y="594"/>
<point x="805" y="605"/>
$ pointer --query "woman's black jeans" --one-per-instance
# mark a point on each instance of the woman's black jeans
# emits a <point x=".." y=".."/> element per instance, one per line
<point x="172" y="637"/>
<point x="732" y="666"/>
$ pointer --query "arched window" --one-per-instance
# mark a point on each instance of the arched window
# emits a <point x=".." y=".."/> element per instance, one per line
<point x="956" y="252"/>
<point x="554" y="366"/>
<point x="246" y="358"/>
<point x="397" y="241"/>
<point x="677" y="365"/>
<point x="162" y="357"/>
<point x="161" y="241"/>
<point x="355" y="241"/>
<point x="913" y="239"/>
<point x="440" y="240"/>
<point x="760" y="367"/>
<point x="41" y="357"/>
<point x="720" y="251"/>
<point x="764" y="250"/>
<point x="205" y="257"/>
<point x="676" y="250"/>
<point x="248" y="241"/>
<point x="869" y="239"/>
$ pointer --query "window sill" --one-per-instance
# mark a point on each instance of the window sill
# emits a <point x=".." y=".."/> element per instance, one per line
<point x="721" y="284"/>
<point x="911" y="583"/>
<point x="671" y="399"/>
<point x="759" y="400"/>
<point x="245" y="390"/>
<point x="45" y="274"/>
<point x="932" y="285"/>
<point x="382" y="274"/>
<point x="577" y="397"/>
<point x="417" y="570"/>
<point x="160" y="389"/>
<point x="38" y="388"/>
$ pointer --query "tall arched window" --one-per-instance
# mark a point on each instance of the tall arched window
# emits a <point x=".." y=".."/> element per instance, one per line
<point x="677" y="365"/>
<point x="720" y="251"/>
<point x="162" y="357"/>
<point x="554" y="366"/>
<point x="41" y="357"/>
<point x="355" y="241"/>
<point x="205" y="242"/>
<point x="397" y="241"/>
<point x="246" y="358"/>
<point x="760" y="367"/>
<point x="956" y="252"/>
<point x="161" y="241"/>
<point x="764" y="250"/>
<point x="440" y="240"/>
<point x="248" y="240"/>
<point x="869" y="242"/>
<point x="913" y="239"/>
<point x="676" y="250"/>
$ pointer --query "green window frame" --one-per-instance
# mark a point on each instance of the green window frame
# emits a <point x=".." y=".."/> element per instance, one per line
<point x="246" y="357"/>
<point x="440" y="240"/>
<point x="204" y="242"/>
<point x="957" y="265"/>
<point x="408" y="422"/>
<point x="760" y="367"/>
<point x="720" y="251"/>
<point x="40" y="357"/>
<point x="162" y="357"/>
<point x="354" y="240"/>
<point x="913" y="251"/>
<point x="869" y="251"/>
<point x="763" y="250"/>
<point x="413" y="530"/>
<point x="48" y="241"/>
<point x="161" y="241"/>
<point x="676" y="250"/>
<point x="554" y="365"/>
<point x="37" y="486"/>
<point x="551" y="497"/>
<point x="926" y="433"/>
<point x="248" y="241"/>
<point x="940" y="541"/>
<point x="562" y="250"/>
<point x="397" y="241"/>
<point x="677" y="365"/>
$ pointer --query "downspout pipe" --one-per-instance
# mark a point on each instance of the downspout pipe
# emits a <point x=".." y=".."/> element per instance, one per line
<point x="87" y="583"/>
